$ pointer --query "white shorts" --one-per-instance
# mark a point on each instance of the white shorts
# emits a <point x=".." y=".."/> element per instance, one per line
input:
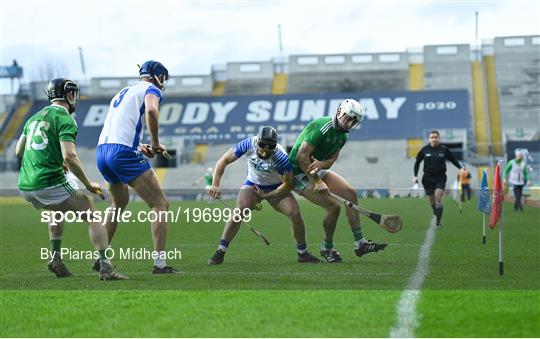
<point x="49" y="196"/>
<point x="302" y="181"/>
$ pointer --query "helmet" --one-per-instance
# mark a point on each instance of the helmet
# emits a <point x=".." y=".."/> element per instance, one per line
<point x="155" y="70"/>
<point x="353" y="109"/>
<point x="58" y="90"/>
<point x="267" y="138"/>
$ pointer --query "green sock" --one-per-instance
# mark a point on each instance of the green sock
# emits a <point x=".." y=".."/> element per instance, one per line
<point x="357" y="234"/>
<point x="327" y="245"/>
<point x="56" y="245"/>
<point x="102" y="255"/>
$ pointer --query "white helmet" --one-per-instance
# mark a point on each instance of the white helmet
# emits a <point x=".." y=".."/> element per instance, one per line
<point x="353" y="109"/>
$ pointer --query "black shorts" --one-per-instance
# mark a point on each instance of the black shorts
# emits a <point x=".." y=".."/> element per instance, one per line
<point x="431" y="183"/>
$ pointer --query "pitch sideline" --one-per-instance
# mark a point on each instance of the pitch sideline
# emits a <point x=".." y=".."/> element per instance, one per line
<point x="407" y="318"/>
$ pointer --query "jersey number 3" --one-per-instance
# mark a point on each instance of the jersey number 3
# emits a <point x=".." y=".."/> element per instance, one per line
<point x="120" y="97"/>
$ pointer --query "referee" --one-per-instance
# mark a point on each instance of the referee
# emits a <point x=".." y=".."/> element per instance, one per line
<point x="434" y="156"/>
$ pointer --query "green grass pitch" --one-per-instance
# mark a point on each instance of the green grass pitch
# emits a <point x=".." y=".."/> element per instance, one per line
<point x="262" y="292"/>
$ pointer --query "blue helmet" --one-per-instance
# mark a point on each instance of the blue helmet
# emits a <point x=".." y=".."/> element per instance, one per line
<point x="155" y="70"/>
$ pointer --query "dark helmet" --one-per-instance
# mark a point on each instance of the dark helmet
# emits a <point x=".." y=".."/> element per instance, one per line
<point x="58" y="90"/>
<point x="155" y="70"/>
<point x="267" y="138"/>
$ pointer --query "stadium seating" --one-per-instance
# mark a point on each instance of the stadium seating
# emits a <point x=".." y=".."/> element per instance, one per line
<point x="347" y="73"/>
<point x="244" y="78"/>
<point x="517" y="65"/>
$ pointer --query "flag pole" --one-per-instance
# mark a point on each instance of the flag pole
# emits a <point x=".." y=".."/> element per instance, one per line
<point x="484" y="228"/>
<point x="501" y="247"/>
<point x="501" y="239"/>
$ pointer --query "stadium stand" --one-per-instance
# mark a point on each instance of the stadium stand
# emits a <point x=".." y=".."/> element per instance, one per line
<point x="245" y="78"/>
<point x="186" y="85"/>
<point x="347" y="73"/>
<point x="517" y="68"/>
<point x="502" y="80"/>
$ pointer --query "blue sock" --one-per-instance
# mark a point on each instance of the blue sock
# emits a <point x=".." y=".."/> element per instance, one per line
<point x="223" y="244"/>
<point x="301" y="248"/>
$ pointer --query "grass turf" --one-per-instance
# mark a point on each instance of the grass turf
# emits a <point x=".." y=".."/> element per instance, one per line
<point x="262" y="291"/>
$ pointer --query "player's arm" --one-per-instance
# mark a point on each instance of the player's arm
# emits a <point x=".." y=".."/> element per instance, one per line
<point x="226" y="159"/>
<point x="419" y="158"/>
<point x="452" y="159"/>
<point x="324" y="164"/>
<point x="285" y="188"/>
<point x="21" y="144"/>
<point x="73" y="163"/>
<point x="304" y="160"/>
<point x="151" y="104"/>
<point x="507" y="169"/>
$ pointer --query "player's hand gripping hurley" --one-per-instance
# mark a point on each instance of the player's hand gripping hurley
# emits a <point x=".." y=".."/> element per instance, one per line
<point x="152" y="151"/>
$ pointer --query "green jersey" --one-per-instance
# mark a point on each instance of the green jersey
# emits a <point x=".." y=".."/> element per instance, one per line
<point x="323" y="136"/>
<point x="208" y="179"/>
<point x="42" y="159"/>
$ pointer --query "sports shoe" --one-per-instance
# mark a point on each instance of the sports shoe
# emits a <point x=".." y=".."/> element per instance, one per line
<point x="107" y="272"/>
<point x="438" y="225"/>
<point x="332" y="256"/>
<point x="217" y="259"/>
<point x="57" y="266"/>
<point x="307" y="258"/>
<point x="96" y="266"/>
<point x="164" y="270"/>
<point x="368" y="247"/>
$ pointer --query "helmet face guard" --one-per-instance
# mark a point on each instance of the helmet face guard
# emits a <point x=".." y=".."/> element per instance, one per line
<point x="61" y="89"/>
<point x="155" y="70"/>
<point x="266" y="141"/>
<point x="349" y="115"/>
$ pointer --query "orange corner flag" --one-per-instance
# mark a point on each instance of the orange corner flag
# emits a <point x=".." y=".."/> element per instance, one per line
<point x="498" y="198"/>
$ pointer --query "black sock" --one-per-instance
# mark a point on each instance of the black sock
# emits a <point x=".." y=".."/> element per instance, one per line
<point x="438" y="213"/>
<point x="433" y="208"/>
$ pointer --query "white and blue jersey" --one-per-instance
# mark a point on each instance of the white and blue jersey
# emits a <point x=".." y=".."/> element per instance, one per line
<point x="117" y="155"/>
<point x="265" y="173"/>
<point x="124" y="122"/>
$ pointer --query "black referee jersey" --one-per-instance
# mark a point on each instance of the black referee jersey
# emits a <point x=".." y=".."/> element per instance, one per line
<point x="434" y="160"/>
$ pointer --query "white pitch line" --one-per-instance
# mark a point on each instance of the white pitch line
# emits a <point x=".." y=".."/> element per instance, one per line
<point x="407" y="318"/>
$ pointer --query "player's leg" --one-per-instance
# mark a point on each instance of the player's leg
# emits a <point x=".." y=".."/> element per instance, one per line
<point x="518" y="191"/>
<point x="338" y="185"/>
<point x="246" y="199"/>
<point x="468" y="190"/>
<point x="429" y="189"/>
<point x="98" y="234"/>
<point x="332" y="209"/>
<point x="149" y="189"/>
<point x="120" y="198"/>
<point x="56" y="265"/>
<point x="289" y="207"/>
<point x="439" y="194"/>
<point x="56" y="232"/>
